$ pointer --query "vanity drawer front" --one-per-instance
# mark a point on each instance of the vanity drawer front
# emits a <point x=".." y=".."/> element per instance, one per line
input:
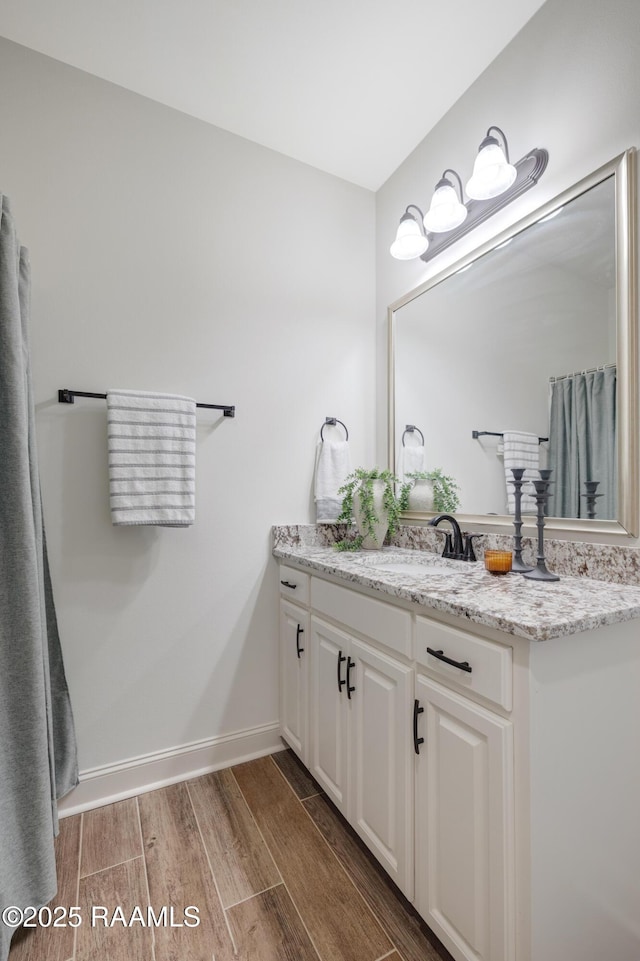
<point x="381" y="622"/>
<point x="294" y="585"/>
<point x="491" y="664"/>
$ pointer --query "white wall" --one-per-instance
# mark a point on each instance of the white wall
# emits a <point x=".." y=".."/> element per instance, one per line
<point x="170" y="255"/>
<point x="570" y="82"/>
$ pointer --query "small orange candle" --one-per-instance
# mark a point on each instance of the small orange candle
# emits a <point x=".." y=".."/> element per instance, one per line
<point x="498" y="562"/>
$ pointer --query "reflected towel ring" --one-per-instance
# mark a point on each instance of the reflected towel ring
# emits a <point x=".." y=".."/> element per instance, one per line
<point x="409" y="429"/>
<point x="331" y="422"/>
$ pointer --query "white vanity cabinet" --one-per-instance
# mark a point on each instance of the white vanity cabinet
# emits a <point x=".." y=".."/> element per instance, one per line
<point x="495" y="778"/>
<point x="294" y="660"/>
<point x="464" y="792"/>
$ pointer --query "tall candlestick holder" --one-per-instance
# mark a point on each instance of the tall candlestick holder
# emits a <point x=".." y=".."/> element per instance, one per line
<point x="591" y="497"/>
<point x="518" y="564"/>
<point x="540" y="572"/>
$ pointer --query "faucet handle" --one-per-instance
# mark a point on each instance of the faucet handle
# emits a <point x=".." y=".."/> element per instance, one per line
<point x="448" y="542"/>
<point x="469" y="553"/>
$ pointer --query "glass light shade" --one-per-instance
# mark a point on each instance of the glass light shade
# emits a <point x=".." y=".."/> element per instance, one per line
<point x="492" y="174"/>
<point x="410" y="242"/>
<point x="446" y="211"/>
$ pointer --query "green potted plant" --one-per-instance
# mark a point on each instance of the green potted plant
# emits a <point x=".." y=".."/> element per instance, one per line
<point x="446" y="499"/>
<point x="369" y="499"/>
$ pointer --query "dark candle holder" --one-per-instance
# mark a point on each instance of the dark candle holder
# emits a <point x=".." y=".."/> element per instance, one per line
<point x="518" y="564"/>
<point x="540" y="572"/>
<point x="591" y="487"/>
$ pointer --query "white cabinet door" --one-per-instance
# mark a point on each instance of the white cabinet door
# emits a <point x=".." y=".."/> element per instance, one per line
<point x="464" y="825"/>
<point x="381" y="772"/>
<point x="360" y="742"/>
<point x="329" y="711"/>
<point x="294" y="662"/>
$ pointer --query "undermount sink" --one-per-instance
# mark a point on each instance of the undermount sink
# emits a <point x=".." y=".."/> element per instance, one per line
<point x="427" y="567"/>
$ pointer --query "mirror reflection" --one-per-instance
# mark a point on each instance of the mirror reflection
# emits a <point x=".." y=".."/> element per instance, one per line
<point x="512" y="361"/>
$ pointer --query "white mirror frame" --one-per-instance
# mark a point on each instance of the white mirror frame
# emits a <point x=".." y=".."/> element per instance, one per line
<point x="626" y="524"/>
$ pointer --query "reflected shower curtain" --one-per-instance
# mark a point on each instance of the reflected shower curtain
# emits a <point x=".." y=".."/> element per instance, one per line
<point x="37" y="740"/>
<point x="582" y="443"/>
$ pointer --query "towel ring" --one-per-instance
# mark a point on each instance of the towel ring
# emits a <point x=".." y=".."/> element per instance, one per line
<point x="331" y="422"/>
<point x="409" y="429"/>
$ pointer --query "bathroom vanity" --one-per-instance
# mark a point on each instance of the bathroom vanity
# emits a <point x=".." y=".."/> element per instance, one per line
<point x="481" y="734"/>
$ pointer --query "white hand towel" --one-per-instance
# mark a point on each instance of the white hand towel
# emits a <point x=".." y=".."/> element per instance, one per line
<point x="333" y="465"/>
<point x="152" y="452"/>
<point x="521" y="450"/>
<point x="411" y="460"/>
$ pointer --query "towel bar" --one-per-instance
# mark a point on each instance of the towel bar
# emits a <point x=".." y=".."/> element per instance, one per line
<point x="66" y="396"/>
<point x="496" y="433"/>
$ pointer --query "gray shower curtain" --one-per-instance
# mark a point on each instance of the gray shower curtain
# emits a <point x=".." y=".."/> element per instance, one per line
<point x="37" y="740"/>
<point x="582" y="443"/>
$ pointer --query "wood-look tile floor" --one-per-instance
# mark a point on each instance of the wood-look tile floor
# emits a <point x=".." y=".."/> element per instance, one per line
<point x="275" y="873"/>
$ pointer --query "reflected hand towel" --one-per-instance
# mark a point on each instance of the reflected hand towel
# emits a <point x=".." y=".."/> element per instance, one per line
<point x="521" y="449"/>
<point x="411" y="461"/>
<point x="152" y="453"/>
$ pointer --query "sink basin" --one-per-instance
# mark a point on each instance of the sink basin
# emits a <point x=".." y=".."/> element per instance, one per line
<point x="427" y="567"/>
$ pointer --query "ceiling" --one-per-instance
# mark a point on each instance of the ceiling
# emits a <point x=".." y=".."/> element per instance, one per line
<point x="348" y="86"/>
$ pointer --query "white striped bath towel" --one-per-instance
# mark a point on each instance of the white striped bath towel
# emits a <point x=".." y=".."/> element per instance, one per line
<point x="521" y="449"/>
<point x="152" y="454"/>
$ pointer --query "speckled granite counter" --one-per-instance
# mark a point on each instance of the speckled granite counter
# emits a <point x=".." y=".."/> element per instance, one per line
<point x="510" y="603"/>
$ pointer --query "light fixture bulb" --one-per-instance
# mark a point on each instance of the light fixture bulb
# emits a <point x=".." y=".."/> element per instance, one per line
<point x="410" y="242"/>
<point x="446" y="212"/>
<point x="492" y="172"/>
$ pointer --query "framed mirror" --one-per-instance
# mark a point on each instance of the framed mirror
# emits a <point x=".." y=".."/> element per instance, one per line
<point x="531" y="336"/>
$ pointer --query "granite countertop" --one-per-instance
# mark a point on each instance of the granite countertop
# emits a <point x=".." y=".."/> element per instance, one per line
<point x="510" y="603"/>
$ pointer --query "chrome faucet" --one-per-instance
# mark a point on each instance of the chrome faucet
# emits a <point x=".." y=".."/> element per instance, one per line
<point x="455" y="548"/>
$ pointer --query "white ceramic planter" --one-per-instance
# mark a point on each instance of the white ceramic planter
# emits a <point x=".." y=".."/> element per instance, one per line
<point x="421" y="495"/>
<point x="373" y="543"/>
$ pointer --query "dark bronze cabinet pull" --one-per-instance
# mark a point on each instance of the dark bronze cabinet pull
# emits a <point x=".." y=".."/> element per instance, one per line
<point x="289" y="584"/>
<point x="463" y="665"/>
<point x="299" y="650"/>
<point x="417" y="741"/>
<point x="341" y="680"/>
<point x="350" y="688"/>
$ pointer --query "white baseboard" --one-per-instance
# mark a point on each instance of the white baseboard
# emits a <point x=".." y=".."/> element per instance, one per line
<point x="114" y="782"/>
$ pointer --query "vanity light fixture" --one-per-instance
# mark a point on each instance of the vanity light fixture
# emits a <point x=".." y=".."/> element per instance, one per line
<point x="495" y="182"/>
<point x="447" y="210"/>
<point x="410" y="239"/>
<point x="492" y="172"/>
